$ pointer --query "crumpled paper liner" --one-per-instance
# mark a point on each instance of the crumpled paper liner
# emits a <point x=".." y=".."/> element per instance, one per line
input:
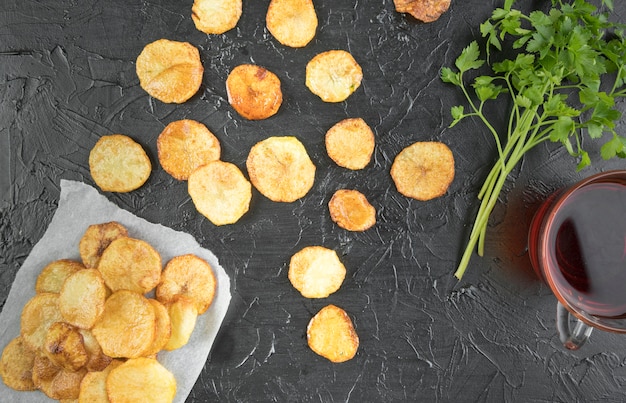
<point x="79" y="206"/>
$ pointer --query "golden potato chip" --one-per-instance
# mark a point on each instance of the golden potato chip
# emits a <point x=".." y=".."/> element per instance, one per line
<point x="39" y="313"/>
<point x="216" y="16"/>
<point x="190" y="276"/>
<point x="350" y="143"/>
<point x="351" y="210"/>
<point x="119" y="164"/>
<point x="184" y="145"/>
<point x="44" y="370"/>
<point x="170" y="71"/>
<point x="280" y="168"/>
<point x="330" y="334"/>
<point x="220" y="192"/>
<point x="16" y="365"/>
<point x="93" y="386"/>
<point x="127" y="326"/>
<point x="56" y="382"/>
<point x="64" y="346"/>
<point x="53" y="276"/>
<point x="254" y="92"/>
<point x="141" y="380"/>
<point x="96" y="239"/>
<point x="333" y="75"/>
<point x="130" y="264"/>
<point x="163" y="329"/>
<point x="97" y="360"/>
<point x="292" y="22"/>
<point x="82" y="297"/>
<point x="423" y="10"/>
<point x="423" y="170"/>
<point x="183" y="316"/>
<point x="316" y="272"/>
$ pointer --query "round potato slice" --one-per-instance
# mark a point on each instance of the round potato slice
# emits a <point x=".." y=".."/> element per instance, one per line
<point x="163" y="329"/>
<point x="423" y="170"/>
<point x="216" y="16"/>
<point x="183" y="317"/>
<point x="130" y="264"/>
<point x="52" y="277"/>
<point x="254" y="92"/>
<point x="93" y="385"/>
<point x="316" y="272"/>
<point x="64" y="346"/>
<point x="141" y="380"/>
<point x="56" y="382"/>
<point x="96" y="239"/>
<point x="350" y="143"/>
<point x="39" y="313"/>
<point x="170" y="71"/>
<point x="220" y="192"/>
<point x="82" y="297"/>
<point x="119" y="164"/>
<point x="280" y="168"/>
<point x="184" y="145"/>
<point x="190" y="276"/>
<point x="97" y="360"/>
<point x="333" y="75"/>
<point x="351" y="210"/>
<point x="16" y="365"/>
<point x="423" y="10"/>
<point x="292" y="22"/>
<point x="330" y="334"/>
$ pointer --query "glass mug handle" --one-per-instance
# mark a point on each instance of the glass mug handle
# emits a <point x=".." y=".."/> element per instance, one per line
<point x="572" y="338"/>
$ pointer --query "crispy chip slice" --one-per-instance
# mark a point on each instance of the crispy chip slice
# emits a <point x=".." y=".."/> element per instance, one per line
<point x="423" y="170"/>
<point x="97" y="360"/>
<point x="350" y="143"/>
<point x="163" y="329"/>
<point x="16" y="365"/>
<point x="216" y="16"/>
<point x="96" y="239"/>
<point x="170" y="71"/>
<point x="292" y="22"/>
<point x="280" y="168"/>
<point x="330" y="333"/>
<point x="130" y="264"/>
<point x="39" y="313"/>
<point x="119" y="164"/>
<point x="333" y="75"/>
<point x="316" y="272"/>
<point x="188" y="275"/>
<point x="423" y="10"/>
<point x="184" y="145"/>
<point x="64" y="346"/>
<point x="56" y="382"/>
<point x="52" y="277"/>
<point x="141" y="380"/>
<point x="183" y="316"/>
<point x="82" y="297"/>
<point x="351" y="210"/>
<point x="127" y="326"/>
<point x="93" y="385"/>
<point x="220" y="192"/>
<point x="254" y="92"/>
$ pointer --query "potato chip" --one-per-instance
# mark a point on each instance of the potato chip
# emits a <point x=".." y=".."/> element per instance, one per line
<point x="119" y="164"/>
<point x="216" y="16"/>
<point x="183" y="316"/>
<point x="39" y="313"/>
<point x="82" y="297"/>
<point x="93" y="386"/>
<point x="64" y="346"/>
<point x="163" y="328"/>
<point x="52" y="277"/>
<point x="350" y="143"/>
<point x="127" y="326"/>
<point x="254" y="92"/>
<point x="333" y="75"/>
<point x="190" y="276"/>
<point x="423" y="170"/>
<point x="16" y="365"/>
<point x="220" y="192"/>
<point x="184" y="145"/>
<point x="280" y="168"/>
<point x="96" y="239"/>
<point x="130" y="264"/>
<point x="56" y="382"/>
<point x="170" y="71"/>
<point x="330" y="334"/>
<point x="97" y="360"/>
<point x="292" y="22"/>
<point x="141" y="380"/>
<point x="316" y="272"/>
<point x="423" y="10"/>
<point x="351" y="210"/>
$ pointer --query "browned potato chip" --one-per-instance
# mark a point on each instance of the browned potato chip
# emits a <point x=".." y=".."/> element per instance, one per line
<point x="141" y="380"/>
<point x="127" y="326"/>
<point x="38" y="314"/>
<point x="333" y="75"/>
<point x="56" y="382"/>
<point x="82" y="297"/>
<point x="97" y="360"/>
<point x="350" y="143"/>
<point x="130" y="264"/>
<point x="316" y="272"/>
<point x="292" y="22"/>
<point x="96" y="239"/>
<point x="183" y="316"/>
<point x="16" y="365"/>
<point x="163" y="328"/>
<point x="254" y="92"/>
<point x="190" y="276"/>
<point x="216" y="16"/>
<point x="53" y="276"/>
<point x="184" y="145"/>
<point x="119" y="164"/>
<point x="423" y="10"/>
<point x="170" y="71"/>
<point x="351" y="210"/>
<point x="64" y="346"/>
<point x="423" y="170"/>
<point x="330" y="333"/>
<point x="93" y="385"/>
<point x="280" y="168"/>
<point x="220" y="192"/>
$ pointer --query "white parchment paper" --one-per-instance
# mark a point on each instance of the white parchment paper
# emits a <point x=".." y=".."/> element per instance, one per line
<point x="80" y="205"/>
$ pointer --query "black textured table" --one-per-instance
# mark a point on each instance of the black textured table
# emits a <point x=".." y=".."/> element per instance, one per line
<point x="68" y="78"/>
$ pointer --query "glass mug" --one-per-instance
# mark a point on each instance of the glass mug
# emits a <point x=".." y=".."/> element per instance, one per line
<point x="577" y="245"/>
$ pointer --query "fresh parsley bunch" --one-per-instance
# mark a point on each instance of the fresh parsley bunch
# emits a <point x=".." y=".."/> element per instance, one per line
<point x="567" y="72"/>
